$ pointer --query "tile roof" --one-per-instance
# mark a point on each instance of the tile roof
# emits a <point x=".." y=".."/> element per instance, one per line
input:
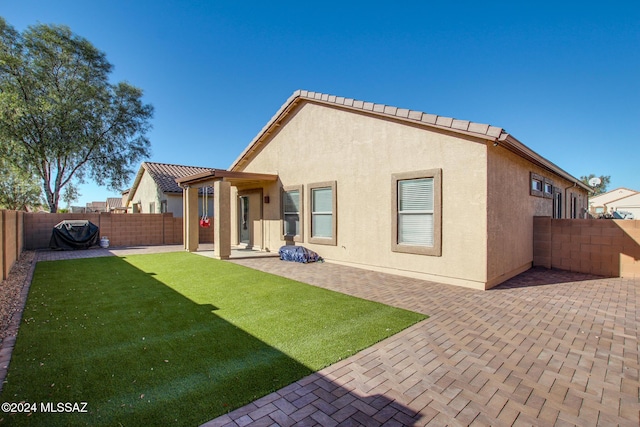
<point x="97" y="205"/>
<point x="403" y="113"/>
<point x="491" y="133"/>
<point x="114" y="202"/>
<point x="165" y="174"/>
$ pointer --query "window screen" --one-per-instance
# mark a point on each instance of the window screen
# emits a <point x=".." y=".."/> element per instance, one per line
<point x="415" y="212"/>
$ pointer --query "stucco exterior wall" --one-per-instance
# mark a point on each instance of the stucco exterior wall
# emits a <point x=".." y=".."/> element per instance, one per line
<point x="174" y="205"/>
<point x="361" y="152"/>
<point x="511" y="209"/>
<point x="147" y="192"/>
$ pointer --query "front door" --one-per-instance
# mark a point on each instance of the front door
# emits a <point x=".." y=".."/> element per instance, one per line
<point x="250" y="219"/>
<point x="244" y="221"/>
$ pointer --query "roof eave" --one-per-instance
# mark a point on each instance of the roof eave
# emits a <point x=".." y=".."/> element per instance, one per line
<point x="221" y="174"/>
<point x="136" y="182"/>
<point x="512" y="144"/>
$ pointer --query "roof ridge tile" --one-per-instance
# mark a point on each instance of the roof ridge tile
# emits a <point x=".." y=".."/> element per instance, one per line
<point x="433" y="119"/>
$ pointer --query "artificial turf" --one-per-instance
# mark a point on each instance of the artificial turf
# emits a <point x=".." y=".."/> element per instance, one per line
<point x="175" y="338"/>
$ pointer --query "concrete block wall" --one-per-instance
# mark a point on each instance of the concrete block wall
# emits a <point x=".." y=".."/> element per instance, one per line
<point x="38" y="226"/>
<point x="205" y="235"/>
<point x="595" y="246"/>
<point x="121" y="229"/>
<point x="11" y="239"/>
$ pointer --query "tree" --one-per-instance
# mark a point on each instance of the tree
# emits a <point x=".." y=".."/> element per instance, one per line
<point x="19" y="189"/>
<point x="70" y="194"/>
<point x="604" y="183"/>
<point x="61" y="117"/>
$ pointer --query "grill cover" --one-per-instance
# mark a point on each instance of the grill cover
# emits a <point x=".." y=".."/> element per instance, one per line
<point x="74" y="234"/>
<point x="298" y="254"/>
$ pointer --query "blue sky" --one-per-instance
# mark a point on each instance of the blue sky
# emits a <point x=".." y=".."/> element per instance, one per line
<point x="562" y="77"/>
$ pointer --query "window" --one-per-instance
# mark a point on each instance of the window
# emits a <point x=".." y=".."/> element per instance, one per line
<point x="536" y="185"/>
<point x="574" y="206"/>
<point x="322" y="199"/>
<point x="152" y="207"/>
<point x="541" y="186"/>
<point x="292" y="213"/>
<point x="557" y="202"/>
<point x="163" y="206"/>
<point x="417" y="212"/>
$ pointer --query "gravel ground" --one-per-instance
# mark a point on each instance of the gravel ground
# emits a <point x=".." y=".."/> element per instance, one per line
<point x="11" y="303"/>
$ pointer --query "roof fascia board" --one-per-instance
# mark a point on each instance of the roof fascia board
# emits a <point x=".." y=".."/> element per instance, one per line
<point x="136" y="183"/>
<point x="221" y="174"/>
<point x="266" y="130"/>
<point x="517" y="147"/>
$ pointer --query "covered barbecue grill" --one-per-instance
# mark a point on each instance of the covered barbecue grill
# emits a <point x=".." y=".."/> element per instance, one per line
<point x="74" y="234"/>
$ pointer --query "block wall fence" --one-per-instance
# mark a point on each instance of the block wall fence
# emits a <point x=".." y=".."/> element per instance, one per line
<point x="602" y="247"/>
<point x="596" y="246"/>
<point x="121" y="229"/>
<point x="11" y="239"/>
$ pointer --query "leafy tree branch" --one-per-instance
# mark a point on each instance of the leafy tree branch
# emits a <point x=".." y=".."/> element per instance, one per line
<point x="61" y="117"/>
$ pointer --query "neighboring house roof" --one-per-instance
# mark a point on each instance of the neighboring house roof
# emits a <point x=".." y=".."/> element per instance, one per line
<point x="431" y="121"/>
<point x="611" y="196"/>
<point x="114" y="202"/>
<point x="97" y="206"/>
<point x="631" y="200"/>
<point x="165" y="175"/>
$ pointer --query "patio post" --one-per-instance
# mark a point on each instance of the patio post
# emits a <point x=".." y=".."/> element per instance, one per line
<point x="221" y="219"/>
<point x="190" y="218"/>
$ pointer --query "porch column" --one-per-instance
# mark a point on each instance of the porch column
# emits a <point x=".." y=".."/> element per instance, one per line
<point x="221" y="219"/>
<point x="190" y="218"/>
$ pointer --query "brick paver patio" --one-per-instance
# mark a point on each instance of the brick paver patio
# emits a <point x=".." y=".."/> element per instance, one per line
<point x="545" y="348"/>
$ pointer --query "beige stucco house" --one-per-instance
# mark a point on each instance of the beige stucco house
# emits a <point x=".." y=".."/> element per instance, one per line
<point x="155" y="190"/>
<point x="622" y="199"/>
<point x="387" y="189"/>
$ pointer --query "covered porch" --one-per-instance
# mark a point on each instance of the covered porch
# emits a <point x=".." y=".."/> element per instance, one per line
<point x="249" y="187"/>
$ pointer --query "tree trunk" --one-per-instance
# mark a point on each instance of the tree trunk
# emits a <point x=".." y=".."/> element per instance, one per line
<point x="52" y="198"/>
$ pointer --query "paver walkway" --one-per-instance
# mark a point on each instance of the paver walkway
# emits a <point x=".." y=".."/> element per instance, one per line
<point x="545" y="348"/>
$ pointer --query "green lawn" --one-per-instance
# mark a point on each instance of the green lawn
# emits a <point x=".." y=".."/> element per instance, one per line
<point x="176" y="339"/>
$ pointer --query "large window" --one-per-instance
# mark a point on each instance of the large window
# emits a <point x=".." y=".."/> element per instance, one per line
<point x="322" y="198"/>
<point x="292" y="213"/>
<point x="417" y="212"/>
